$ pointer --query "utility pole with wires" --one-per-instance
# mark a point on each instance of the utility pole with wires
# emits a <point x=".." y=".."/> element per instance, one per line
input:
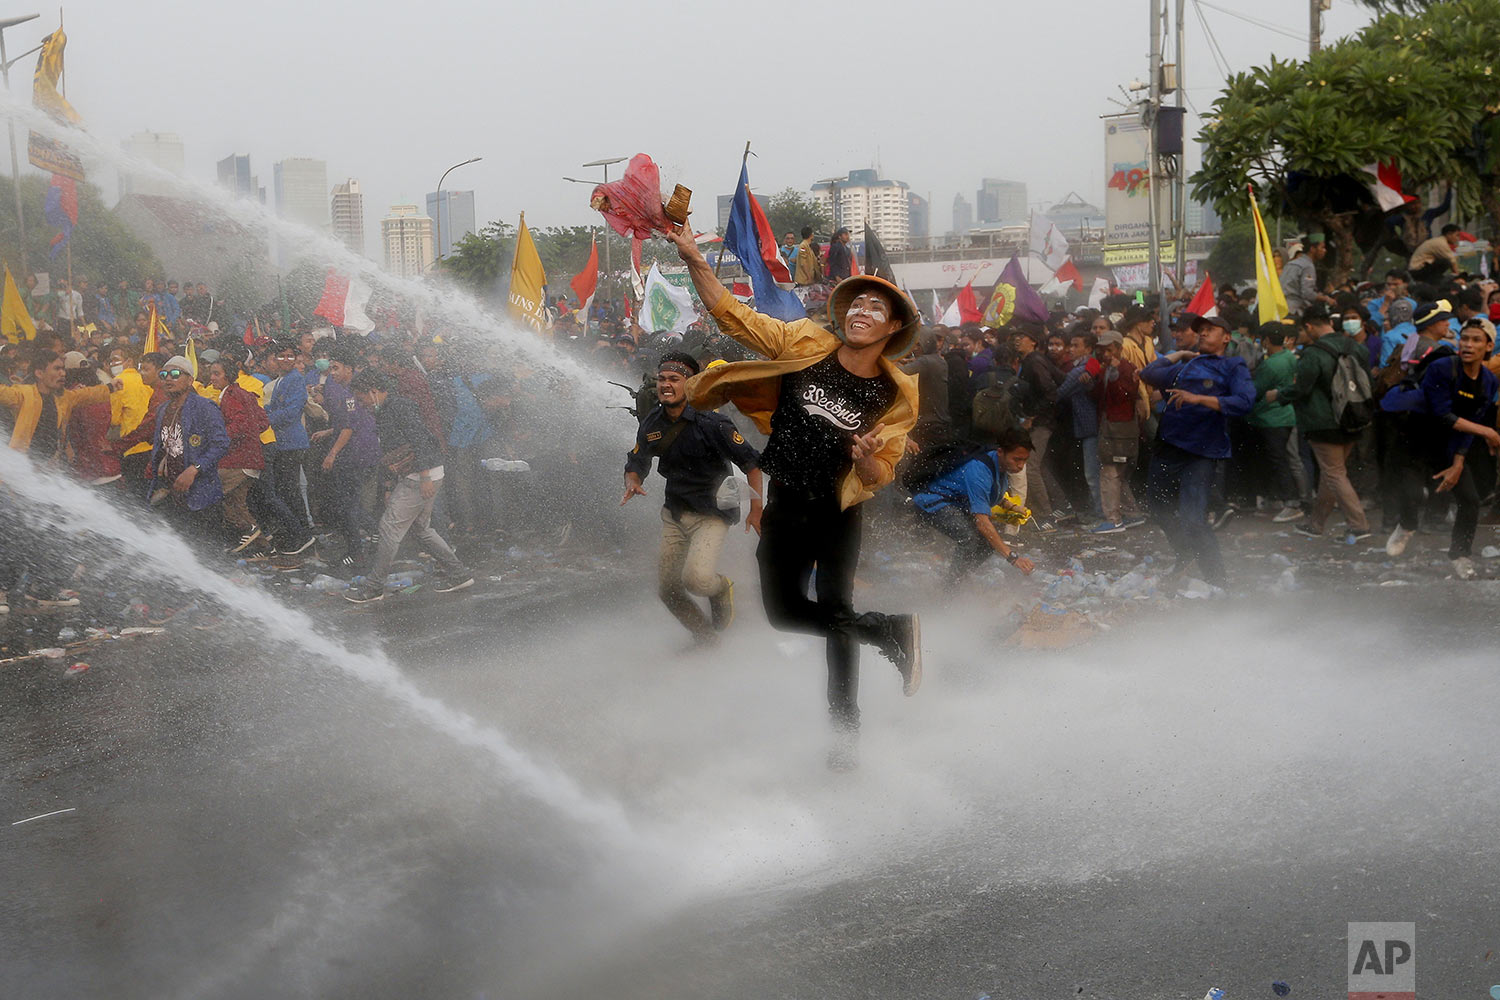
<point x="1315" y="10"/>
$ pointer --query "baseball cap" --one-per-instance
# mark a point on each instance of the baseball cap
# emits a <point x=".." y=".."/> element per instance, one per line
<point x="74" y="360"/>
<point x="1109" y="337"/>
<point x="1217" y="321"/>
<point x="1432" y="312"/>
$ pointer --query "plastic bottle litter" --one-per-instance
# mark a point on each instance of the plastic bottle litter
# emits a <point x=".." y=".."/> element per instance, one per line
<point x="1280" y="988"/>
<point x="75" y="669"/>
<point x="504" y="465"/>
<point x="1277" y="559"/>
<point x="399" y="581"/>
<point x="51" y="652"/>
<point x="1214" y="994"/>
<point x="325" y="584"/>
<point x="1489" y="552"/>
<point x="1197" y="590"/>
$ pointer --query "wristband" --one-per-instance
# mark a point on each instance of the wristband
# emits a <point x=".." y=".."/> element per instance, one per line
<point x="1011" y="558"/>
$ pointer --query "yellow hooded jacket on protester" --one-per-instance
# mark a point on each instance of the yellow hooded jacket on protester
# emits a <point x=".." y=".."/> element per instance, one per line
<point x="754" y="387"/>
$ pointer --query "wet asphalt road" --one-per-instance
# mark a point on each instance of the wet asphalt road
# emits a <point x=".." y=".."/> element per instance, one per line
<point x="1134" y="817"/>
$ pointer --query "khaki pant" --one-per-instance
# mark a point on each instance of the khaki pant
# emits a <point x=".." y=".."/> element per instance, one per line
<point x="1115" y="494"/>
<point x="1334" y="487"/>
<point x="236" y="487"/>
<point x="690" y="546"/>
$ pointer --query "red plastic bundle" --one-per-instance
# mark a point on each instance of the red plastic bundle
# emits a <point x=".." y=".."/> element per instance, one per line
<point x="632" y="205"/>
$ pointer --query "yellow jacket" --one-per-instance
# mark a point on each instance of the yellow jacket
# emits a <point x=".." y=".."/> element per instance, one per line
<point x="26" y="401"/>
<point x="129" y="406"/>
<point x="1140" y="357"/>
<point x="754" y="387"/>
<point x="250" y="384"/>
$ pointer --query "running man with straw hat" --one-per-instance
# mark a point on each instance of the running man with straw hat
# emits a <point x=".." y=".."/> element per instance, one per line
<point x="838" y="410"/>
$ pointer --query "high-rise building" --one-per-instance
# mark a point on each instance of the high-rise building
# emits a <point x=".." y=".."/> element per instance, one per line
<point x="453" y="217"/>
<point x="234" y="173"/>
<point x="918" y="215"/>
<point x="347" y="208"/>
<point x="407" y="236"/>
<point x="863" y="197"/>
<point x="161" y="149"/>
<point x="1000" y="201"/>
<point x="726" y="204"/>
<point x="300" y="184"/>
<point x="963" y="215"/>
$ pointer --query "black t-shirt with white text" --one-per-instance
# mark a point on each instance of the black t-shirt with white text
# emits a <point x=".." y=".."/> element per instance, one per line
<point x="819" y="412"/>
<point x="47" y="436"/>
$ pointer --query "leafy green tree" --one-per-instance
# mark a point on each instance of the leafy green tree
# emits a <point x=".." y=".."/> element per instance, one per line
<point x="104" y="249"/>
<point x="1415" y="89"/>
<point x="479" y="259"/>
<point x="789" y="210"/>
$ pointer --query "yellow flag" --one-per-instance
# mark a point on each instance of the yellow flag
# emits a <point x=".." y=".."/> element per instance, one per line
<point x="1270" y="300"/>
<point x="14" y="319"/>
<point x="527" y="277"/>
<point x="44" y="83"/>
<point x="152" y="328"/>
<point x="192" y="356"/>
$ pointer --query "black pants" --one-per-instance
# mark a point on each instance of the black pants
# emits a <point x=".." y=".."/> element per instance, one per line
<point x="970" y="548"/>
<point x="798" y="533"/>
<point x="1465" y="514"/>
<point x="346" y="486"/>
<point x="287" y="482"/>
<point x="1274" y="476"/>
<point x="133" y="472"/>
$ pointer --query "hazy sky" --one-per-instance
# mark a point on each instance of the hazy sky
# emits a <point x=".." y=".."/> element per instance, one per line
<point x="936" y="93"/>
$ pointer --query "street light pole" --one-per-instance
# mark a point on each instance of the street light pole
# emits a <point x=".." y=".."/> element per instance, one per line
<point x="438" y="222"/>
<point x="606" y="163"/>
<point x="15" y="167"/>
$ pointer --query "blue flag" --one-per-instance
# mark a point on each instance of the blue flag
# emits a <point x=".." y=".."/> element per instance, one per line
<point x="742" y="238"/>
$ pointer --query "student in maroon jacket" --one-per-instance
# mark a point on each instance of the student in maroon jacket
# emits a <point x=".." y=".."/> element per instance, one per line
<point x="240" y="468"/>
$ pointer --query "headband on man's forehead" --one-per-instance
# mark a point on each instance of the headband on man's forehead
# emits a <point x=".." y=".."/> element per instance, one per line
<point x="676" y="366"/>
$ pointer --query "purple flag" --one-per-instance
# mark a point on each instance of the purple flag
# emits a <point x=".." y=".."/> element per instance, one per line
<point x="1014" y="299"/>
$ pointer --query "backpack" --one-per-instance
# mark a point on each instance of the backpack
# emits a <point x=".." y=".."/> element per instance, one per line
<point x="995" y="405"/>
<point x="936" y="461"/>
<point x="1406" y="395"/>
<point x="1353" y="396"/>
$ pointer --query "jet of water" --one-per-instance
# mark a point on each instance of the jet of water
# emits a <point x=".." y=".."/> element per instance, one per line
<point x="52" y="500"/>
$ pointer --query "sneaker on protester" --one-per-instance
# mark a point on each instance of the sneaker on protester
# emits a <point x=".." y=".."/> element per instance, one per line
<point x="1289" y="512"/>
<point x="1396" y="544"/>
<point x="1357" y="536"/>
<point x="1106" y="528"/>
<point x="1308" y="531"/>
<point x="1463" y="568"/>
<point x="299" y="548"/>
<point x="902" y="645"/>
<point x="366" y="593"/>
<point x="459" y="579"/>
<point x="1133" y="520"/>
<point x="247" y="539"/>
<point x="1222" y="518"/>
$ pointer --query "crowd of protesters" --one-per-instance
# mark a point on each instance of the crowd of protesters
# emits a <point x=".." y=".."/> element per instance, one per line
<point x="264" y="445"/>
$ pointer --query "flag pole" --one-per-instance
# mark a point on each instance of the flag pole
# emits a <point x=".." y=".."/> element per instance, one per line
<point x="68" y="250"/>
<point x="743" y="160"/>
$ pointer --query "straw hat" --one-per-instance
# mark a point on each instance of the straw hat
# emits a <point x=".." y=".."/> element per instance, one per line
<point x="847" y="290"/>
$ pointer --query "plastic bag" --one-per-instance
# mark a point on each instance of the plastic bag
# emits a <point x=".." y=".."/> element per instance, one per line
<point x="632" y="205"/>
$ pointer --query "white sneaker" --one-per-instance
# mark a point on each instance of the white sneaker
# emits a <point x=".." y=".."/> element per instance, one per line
<point x="1287" y="514"/>
<point x="1463" y="568"/>
<point x="1396" y="544"/>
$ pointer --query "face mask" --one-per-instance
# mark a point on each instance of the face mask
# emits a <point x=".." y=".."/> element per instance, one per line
<point x="322" y="364"/>
<point x="1353" y="326"/>
<point x="116" y="369"/>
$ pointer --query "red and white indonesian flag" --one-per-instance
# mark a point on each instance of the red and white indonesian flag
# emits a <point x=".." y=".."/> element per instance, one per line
<point x="1064" y="277"/>
<point x="1204" y="302"/>
<point x="343" y="302"/>
<point x="1048" y="242"/>
<point x="1098" y="292"/>
<point x="1385" y="185"/>
<point x="586" y="282"/>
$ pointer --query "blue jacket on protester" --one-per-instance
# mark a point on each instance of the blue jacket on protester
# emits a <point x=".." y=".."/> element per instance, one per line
<point x="1195" y="428"/>
<point x="284" y="411"/>
<point x="205" y="441"/>
<point x="1440" y="390"/>
<point x="1080" y="396"/>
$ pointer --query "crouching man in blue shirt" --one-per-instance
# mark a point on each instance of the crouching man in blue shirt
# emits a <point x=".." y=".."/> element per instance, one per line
<point x="1203" y="389"/>
<point x="958" y="503"/>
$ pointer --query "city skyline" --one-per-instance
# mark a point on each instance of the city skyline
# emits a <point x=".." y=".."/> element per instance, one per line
<point x="397" y="135"/>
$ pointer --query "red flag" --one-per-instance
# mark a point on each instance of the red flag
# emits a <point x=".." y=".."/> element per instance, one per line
<point x="1069" y="272"/>
<point x="766" y="237"/>
<point x="586" y="281"/>
<point x="335" y="294"/>
<point x="249" y="337"/>
<point x="1204" y="303"/>
<point x="968" y="307"/>
<point x="741" y="290"/>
